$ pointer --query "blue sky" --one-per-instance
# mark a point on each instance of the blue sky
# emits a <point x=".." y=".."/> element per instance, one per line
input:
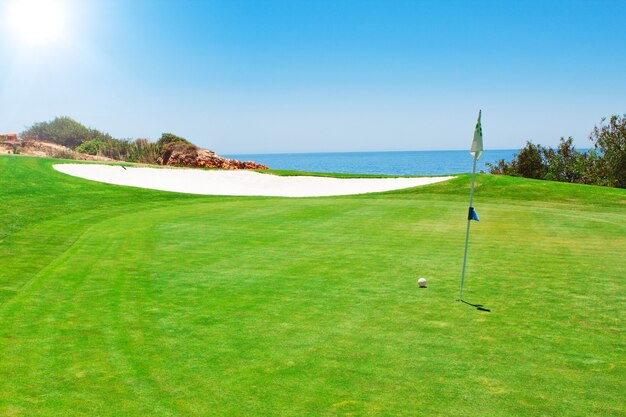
<point x="314" y="76"/>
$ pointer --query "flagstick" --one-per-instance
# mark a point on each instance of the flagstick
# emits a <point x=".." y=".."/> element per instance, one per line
<point x="468" y="230"/>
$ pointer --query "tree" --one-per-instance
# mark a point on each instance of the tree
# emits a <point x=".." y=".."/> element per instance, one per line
<point x="610" y="141"/>
<point x="529" y="161"/>
<point x="603" y="165"/>
<point x="64" y="131"/>
<point x="566" y="164"/>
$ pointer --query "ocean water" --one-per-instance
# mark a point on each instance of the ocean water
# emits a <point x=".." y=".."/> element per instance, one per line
<point x="388" y="163"/>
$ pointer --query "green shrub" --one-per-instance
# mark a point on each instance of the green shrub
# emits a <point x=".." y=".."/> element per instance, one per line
<point x="530" y="162"/>
<point x="610" y="140"/>
<point x="170" y="138"/>
<point x="64" y="131"/>
<point x="144" y="151"/>
<point x="91" y="147"/>
<point x="116" y="149"/>
<point x="68" y="132"/>
<point x="603" y="165"/>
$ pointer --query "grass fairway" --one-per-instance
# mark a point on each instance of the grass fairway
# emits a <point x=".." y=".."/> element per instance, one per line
<point x="117" y="301"/>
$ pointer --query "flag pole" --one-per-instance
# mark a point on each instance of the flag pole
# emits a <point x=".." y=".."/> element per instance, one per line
<point x="476" y="151"/>
<point x="469" y="219"/>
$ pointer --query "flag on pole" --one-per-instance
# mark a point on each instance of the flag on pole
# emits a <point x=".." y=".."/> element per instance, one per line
<point x="472" y="215"/>
<point x="476" y="151"/>
<point x="477" y="144"/>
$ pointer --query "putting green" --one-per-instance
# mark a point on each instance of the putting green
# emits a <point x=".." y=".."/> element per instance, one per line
<point x="123" y="301"/>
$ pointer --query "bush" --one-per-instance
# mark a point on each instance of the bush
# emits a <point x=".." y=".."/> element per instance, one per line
<point x="116" y="149"/>
<point x="64" y="131"/>
<point x="530" y="161"/>
<point x="91" y="147"/>
<point x="68" y="132"/>
<point x="527" y="163"/>
<point x="610" y="141"/>
<point x="604" y="165"/>
<point x="139" y="150"/>
<point x="170" y="138"/>
<point x="564" y="163"/>
<point x="143" y="151"/>
<point x="64" y="154"/>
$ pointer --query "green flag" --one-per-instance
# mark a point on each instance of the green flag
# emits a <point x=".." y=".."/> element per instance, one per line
<point x="477" y="145"/>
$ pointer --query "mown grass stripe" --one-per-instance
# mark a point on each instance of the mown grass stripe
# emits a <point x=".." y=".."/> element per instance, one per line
<point x="162" y="304"/>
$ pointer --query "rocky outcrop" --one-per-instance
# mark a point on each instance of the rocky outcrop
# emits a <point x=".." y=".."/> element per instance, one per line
<point x="181" y="153"/>
<point x="8" y="137"/>
<point x="189" y="155"/>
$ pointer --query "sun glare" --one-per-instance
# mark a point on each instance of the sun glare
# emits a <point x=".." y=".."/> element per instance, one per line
<point x="36" y="22"/>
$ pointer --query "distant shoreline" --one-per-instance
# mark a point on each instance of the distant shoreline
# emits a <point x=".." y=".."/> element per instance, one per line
<point x="423" y="163"/>
<point x="366" y="152"/>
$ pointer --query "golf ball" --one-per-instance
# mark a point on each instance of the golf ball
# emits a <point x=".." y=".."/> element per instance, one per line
<point x="421" y="282"/>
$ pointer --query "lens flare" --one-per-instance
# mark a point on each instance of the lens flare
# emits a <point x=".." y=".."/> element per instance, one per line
<point x="36" y="22"/>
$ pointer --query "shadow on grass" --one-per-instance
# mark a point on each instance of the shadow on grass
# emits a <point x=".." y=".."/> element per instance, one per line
<point x="478" y="306"/>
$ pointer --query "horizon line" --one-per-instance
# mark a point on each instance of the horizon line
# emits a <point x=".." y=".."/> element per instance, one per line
<point x="394" y="151"/>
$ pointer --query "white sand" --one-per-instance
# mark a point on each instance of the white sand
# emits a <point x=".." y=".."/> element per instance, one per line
<point x="196" y="181"/>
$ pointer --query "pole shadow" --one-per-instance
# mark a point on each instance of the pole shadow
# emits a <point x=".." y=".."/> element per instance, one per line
<point x="478" y="306"/>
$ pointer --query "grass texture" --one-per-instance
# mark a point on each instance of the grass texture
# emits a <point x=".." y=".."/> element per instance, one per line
<point x="118" y="301"/>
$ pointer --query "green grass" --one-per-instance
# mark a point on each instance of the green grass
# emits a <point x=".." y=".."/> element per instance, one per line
<point x="117" y="301"/>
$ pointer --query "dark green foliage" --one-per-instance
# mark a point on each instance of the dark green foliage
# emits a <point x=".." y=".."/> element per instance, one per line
<point x="139" y="150"/>
<point x="64" y="131"/>
<point x="68" y="132"/>
<point x="566" y="164"/>
<point x="91" y="147"/>
<point x="530" y="162"/>
<point x="604" y="165"/>
<point x="116" y="149"/>
<point x="610" y="140"/>
<point x="170" y="138"/>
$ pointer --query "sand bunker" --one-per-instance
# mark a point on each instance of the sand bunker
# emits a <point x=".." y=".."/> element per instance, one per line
<point x="240" y="183"/>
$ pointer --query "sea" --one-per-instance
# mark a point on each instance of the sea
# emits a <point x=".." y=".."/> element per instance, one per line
<point x="382" y="163"/>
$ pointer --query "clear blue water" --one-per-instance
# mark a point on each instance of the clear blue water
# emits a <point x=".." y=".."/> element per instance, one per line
<point x="389" y="163"/>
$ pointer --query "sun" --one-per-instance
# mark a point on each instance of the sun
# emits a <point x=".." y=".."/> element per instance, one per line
<point x="36" y="22"/>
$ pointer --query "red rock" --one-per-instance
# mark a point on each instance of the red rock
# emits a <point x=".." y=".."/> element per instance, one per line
<point x="186" y="154"/>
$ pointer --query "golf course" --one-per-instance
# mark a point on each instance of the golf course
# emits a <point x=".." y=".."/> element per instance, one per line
<point x="122" y="301"/>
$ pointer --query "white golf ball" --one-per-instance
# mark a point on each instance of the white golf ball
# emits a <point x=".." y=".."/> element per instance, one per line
<point x="421" y="282"/>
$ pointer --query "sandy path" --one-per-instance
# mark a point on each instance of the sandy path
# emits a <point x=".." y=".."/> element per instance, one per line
<point x="241" y="183"/>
